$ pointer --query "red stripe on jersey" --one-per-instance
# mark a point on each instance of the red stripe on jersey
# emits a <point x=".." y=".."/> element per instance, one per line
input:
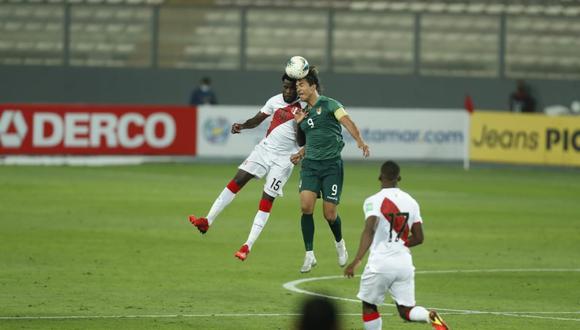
<point x="398" y="221"/>
<point x="283" y="115"/>
<point x="371" y="316"/>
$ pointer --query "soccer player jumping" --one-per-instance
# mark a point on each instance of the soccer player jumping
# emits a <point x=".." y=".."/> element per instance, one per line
<point x="270" y="158"/>
<point x="390" y="215"/>
<point x="322" y="173"/>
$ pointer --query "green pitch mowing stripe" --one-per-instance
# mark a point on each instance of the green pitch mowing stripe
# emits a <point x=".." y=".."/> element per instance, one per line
<point x="115" y="241"/>
<point x="158" y="316"/>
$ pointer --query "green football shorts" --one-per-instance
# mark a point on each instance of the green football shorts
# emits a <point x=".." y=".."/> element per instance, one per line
<point x="324" y="177"/>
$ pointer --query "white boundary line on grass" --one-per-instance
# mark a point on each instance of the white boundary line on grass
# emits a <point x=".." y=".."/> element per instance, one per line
<point x="155" y="316"/>
<point x="293" y="286"/>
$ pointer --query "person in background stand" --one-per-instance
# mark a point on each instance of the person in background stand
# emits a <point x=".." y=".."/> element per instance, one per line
<point x="521" y="100"/>
<point x="203" y="94"/>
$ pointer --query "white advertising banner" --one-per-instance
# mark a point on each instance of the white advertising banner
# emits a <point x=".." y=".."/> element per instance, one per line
<point x="413" y="134"/>
<point x="213" y="131"/>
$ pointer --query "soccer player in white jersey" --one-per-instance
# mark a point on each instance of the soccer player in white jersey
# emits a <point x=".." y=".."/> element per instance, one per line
<point x="270" y="158"/>
<point x="390" y="215"/>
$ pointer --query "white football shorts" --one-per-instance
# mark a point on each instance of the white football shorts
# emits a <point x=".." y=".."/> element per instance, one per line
<point x="400" y="283"/>
<point x="277" y="168"/>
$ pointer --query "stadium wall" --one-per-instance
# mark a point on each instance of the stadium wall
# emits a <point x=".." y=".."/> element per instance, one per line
<point x="408" y="134"/>
<point x="525" y="139"/>
<point x="97" y="130"/>
<point x="29" y="84"/>
<point x="137" y="134"/>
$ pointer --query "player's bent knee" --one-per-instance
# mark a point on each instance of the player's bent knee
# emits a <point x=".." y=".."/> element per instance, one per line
<point x="330" y="214"/>
<point x="331" y="218"/>
<point x="242" y="177"/>
<point x="268" y="196"/>
<point x="307" y="205"/>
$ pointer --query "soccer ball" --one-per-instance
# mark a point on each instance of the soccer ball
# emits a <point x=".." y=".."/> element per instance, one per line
<point x="297" y="67"/>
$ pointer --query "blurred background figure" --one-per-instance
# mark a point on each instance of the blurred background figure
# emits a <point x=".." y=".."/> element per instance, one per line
<point x="521" y="100"/>
<point x="318" y="313"/>
<point x="203" y="94"/>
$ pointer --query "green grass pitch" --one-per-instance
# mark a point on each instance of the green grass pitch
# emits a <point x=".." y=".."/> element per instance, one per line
<point x="110" y="247"/>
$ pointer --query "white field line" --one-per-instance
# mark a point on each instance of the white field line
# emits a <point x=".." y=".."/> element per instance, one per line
<point x="159" y="316"/>
<point x="293" y="286"/>
<point x="508" y="270"/>
<point x="538" y="317"/>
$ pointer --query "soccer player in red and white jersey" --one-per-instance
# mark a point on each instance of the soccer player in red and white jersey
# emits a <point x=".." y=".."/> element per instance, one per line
<point x="270" y="159"/>
<point x="390" y="215"/>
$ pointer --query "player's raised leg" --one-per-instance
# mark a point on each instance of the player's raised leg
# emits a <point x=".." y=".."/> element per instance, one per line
<point x="223" y="200"/>
<point x="273" y="187"/>
<point x="257" y="226"/>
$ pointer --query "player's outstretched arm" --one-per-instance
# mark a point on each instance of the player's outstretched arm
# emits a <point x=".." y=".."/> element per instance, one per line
<point x="366" y="239"/>
<point x="355" y="133"/>
<point x="250" y="123"/>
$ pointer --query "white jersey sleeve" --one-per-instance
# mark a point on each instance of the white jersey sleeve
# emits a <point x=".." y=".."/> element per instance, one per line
<point x="372" y="207"/>
<point x="271" y="105"/>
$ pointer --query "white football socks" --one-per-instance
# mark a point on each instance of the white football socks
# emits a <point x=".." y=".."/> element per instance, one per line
<point x="219" y="204"/>
<point x="419" y="314"/>
<point x="259" y="222"/>
<point x="376" y="324"/>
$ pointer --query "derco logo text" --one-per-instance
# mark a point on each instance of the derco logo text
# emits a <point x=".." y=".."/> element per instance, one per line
<point x="88" y="130"/>
<point x="13" y="129"/>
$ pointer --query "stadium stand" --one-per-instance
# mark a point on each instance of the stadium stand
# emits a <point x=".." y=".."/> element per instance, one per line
<point x="110" y="36"/>
<point x="199" y="38"/>
<point x="373" y="43"/>
<point x="498" y="38"/>
<point x="466" y="45"/>
<point x="31" y="34"/>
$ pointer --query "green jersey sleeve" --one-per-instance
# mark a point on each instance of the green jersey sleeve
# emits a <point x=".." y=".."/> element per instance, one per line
<point x="333" y="104"/>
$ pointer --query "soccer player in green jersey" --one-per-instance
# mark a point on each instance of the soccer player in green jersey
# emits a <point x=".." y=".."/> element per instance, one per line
<point x="322" y="168"/>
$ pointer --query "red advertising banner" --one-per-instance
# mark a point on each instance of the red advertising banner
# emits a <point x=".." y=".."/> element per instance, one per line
<point x="71" y="129"/>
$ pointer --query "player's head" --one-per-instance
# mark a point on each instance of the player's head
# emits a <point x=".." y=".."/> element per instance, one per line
<point x="205" y="81"/>
<point x="308" y="85"/>
<point x="289" y="89"/>
<point x="390" y="174"/>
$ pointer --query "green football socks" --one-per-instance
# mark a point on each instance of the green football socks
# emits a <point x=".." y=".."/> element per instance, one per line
<point x="336" y="228"/>
<point x="307" y="223"/>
